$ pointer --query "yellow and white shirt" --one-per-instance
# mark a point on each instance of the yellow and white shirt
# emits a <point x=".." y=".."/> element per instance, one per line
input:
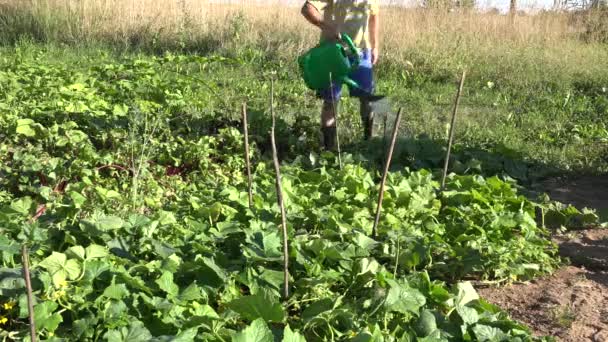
<point x="350" y="16"/>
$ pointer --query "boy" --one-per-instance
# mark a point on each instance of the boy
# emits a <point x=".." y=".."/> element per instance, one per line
<point x="359" y="19"/>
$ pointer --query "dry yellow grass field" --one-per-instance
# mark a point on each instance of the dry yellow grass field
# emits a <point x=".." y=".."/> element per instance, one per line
<point x="170" y="19"/>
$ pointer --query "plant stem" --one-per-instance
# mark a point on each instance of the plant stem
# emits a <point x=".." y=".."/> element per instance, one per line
<point x="451" y="134"/>
<point x="385" y="173"/>
<point x="246" y="133"/>
<point x="397" y="258"/>
<point x="28" y="286"/>
<point x="280" y="197"/>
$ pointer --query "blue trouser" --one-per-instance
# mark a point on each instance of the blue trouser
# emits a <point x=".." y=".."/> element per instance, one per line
<point x="363" y="76"/>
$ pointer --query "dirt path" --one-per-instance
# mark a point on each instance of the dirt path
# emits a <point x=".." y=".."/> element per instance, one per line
<point x="590" y="192"/>
<point x="571" y="304"/>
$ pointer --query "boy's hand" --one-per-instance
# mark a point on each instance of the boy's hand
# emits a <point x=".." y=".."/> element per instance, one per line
<point x="375" y="55"/>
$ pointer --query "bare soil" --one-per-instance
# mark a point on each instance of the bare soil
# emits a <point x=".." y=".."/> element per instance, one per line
<point x="589" y="192"/>
<point x="572" y="303"/>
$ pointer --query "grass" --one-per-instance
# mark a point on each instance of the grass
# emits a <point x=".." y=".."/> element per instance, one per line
<point x="564" y="316"/>
<point x="535" y="100"/>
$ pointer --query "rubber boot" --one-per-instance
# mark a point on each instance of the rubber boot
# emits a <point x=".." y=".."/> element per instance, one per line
<point x="329" y="137"/>
<point x="367" y="119"/>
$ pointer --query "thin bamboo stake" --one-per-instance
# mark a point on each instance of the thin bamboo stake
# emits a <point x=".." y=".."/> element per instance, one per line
<point x="280" y="198"/>
<point x="246" y="133"/>
<point x="385" y="173"/>
<point x="333" y="101"/>
<point x="451" y="134"/>
<point x="28" y="286"/>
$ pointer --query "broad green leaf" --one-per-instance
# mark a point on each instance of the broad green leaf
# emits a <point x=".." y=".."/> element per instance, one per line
<point x="77" y="252"/>
<point x="72" y="267"/>
<point x="11" y="279"/>
<point x="187" y="335"/>
<point x="426" y="323"/>
<point x="466" y="293"/>
<point x="109" y="223"/>
<point x="317" y="308"/>
<point x="60" y="268"/>
<point x="120" y="109"/>
<point x="116" y="291"/>
<point x="469" y="315"/>
<point x="165" y="282"/>
<point x="96" y="251"/>
<point x="404" y="299"/>
<point x="291" y="336"/>
<point x="367" y="336"/>
<point x="114" y="310"/>
<point x="258" y="306"/>
<point x="23" y="205"/>
<point x="78" y="199"/>
<point x="362" y="241"/>
<point x="45" y="318"/>
<point x="84" y="327"/>
<point x="166" y="218"/>
<point x="24" y="127"/>
<point x="136" y="332"/>
<point x="256" y="332"/>
<point x="190" y="293"/>
<point x="487" y="333"/>
<point x="204" y="311"/>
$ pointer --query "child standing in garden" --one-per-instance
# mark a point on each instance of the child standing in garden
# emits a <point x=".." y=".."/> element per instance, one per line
<point x="358" y="19"/>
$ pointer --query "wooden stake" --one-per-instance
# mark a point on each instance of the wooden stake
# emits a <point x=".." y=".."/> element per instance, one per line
<point x="277" y="170"/>
<point x="384" y="135"/>
<point x="333" y="101"/>
<point x="451" y="134"/>
<point x="28" y="286"/>
<point x="245" y="131"/>
<point x="386" y="167"/>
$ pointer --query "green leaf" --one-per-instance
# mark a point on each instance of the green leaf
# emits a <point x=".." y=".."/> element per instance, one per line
<point x="317" y="308"/>
<point x="257" y="332"/>
<point x="60" y="268"/>
<point x="120" y="109"/>
<point x="45" y="318"/>
<point x="187" y="335"/>
<point x="487" y="333"/>
<point x="84" y="328"/>
<point x="466" y="293"/>
<point x="96" y="251"/>
<point x="24" y="127"/>
<point x="468" y="315"/>
<point x="77" y="198"/>
<point x="165" y="282"/>
<point x="204" y="311"/>
<point x="426" y="324"/>
<point x="77" y="252"/>
<point x="109" y="223"/>
<point x="291" y="336"/>
<point x="190" y="293"/>
<point x="72" y="267"/>
<point x="258" y="306"/>
<point x="135" y="333"/>
<point x="404" y="299"/>
<point x="23" y="205"/>
<point x="116" y="291"/>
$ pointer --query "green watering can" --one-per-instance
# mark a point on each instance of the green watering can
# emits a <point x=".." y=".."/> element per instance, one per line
<point x="329" y="61"/>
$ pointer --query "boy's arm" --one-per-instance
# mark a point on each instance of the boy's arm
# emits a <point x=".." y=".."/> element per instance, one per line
<point x="311" y="13"/>
<point x="374" y="32"/>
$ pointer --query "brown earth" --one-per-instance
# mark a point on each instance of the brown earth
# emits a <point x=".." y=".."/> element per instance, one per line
<point x="572" y="303"/>
<point x="590" y="192"/>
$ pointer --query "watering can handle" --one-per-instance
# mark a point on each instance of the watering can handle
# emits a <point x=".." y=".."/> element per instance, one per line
<point x="350" y="43"/>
